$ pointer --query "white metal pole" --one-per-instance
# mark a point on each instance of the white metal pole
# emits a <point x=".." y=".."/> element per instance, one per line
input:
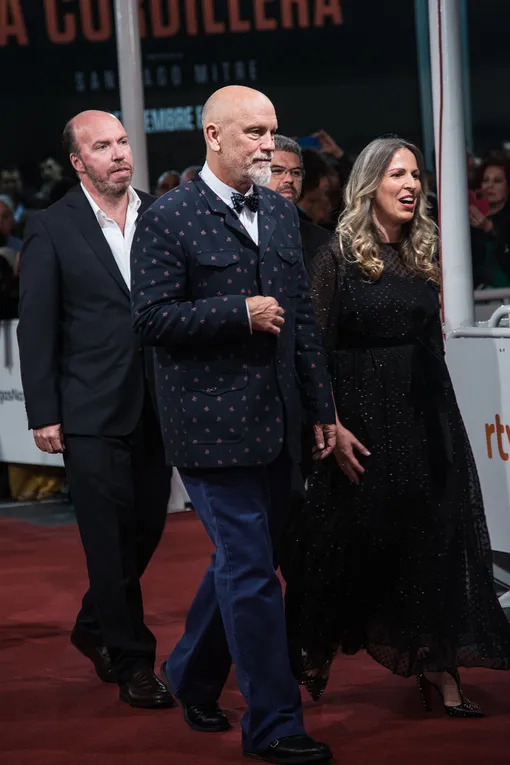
<point x="466" y="69"/>
<point x="451" y="166"/>
<point x="129" y="59"/>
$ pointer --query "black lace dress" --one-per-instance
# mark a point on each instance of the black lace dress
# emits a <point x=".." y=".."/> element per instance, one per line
<point x="400" y="565"/>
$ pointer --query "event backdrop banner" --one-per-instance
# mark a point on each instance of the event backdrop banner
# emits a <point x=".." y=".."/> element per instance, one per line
<point x="16" y="441"/>
<point x="319" y="61"/>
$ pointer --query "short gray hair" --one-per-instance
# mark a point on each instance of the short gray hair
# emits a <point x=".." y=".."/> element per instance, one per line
<point x="282" y="143"/>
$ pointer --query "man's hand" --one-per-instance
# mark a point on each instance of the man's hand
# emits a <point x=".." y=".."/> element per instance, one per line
<point x="265" y="314"/>
<point x="325" y="441"/>
<point x="50" y="439"/>
<point x="345" y="454"/>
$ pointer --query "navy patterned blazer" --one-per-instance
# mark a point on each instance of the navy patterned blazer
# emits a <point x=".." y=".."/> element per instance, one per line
<point x="226" y="396"/>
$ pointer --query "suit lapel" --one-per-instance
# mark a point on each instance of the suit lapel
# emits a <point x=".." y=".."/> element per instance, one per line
<point x="218" y="207"/>
<point x="84" y="217"/>
<point x="267" y="222"/>
<point x="145" y="202"/>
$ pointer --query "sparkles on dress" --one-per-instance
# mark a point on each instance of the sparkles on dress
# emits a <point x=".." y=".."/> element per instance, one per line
<point x="400" y="565"/>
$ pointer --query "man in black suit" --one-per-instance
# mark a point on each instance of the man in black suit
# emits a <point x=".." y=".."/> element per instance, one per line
<point x="220" y="289"/>
<point x="287" y="174"/>
<point x="87" y="385"/>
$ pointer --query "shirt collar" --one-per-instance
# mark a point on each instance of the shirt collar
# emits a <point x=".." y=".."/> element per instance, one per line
<point x="133" y="203"/>
<point x="221" y="189"/>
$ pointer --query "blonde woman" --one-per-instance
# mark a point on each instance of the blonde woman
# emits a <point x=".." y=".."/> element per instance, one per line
<point x="391" y="553"/>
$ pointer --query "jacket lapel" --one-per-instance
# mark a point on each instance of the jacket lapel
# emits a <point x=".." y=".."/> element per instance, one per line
<point x="218" y="207"/>
<point x="267" y="223"/>
<point x="146" y="200"/>
<point x="84" y="217"/>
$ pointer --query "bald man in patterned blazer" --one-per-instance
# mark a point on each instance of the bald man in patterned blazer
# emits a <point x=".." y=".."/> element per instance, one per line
<point x="220" y="289"/>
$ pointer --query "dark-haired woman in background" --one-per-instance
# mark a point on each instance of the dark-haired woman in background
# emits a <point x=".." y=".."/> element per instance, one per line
<point x="391" y="553"/>
<point x="490" y="234"/>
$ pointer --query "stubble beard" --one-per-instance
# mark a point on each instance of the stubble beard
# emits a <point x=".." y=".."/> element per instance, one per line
<point x="107" y="188"/>
<point x="292" y="190"/>
<point x="260" y="174"/>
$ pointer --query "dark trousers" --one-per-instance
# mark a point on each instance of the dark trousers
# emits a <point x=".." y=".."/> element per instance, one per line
<point x="303" y="470"/>
<point x="238" y="609"/>
<point x="120" y="489"/>
<point x="307" y="444"/>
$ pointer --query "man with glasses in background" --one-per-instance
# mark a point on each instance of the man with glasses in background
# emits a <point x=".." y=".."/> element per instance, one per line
<point x="287" y="174"/>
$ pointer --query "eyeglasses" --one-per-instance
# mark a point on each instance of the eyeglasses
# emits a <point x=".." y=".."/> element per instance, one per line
<point x="297" y="172"/>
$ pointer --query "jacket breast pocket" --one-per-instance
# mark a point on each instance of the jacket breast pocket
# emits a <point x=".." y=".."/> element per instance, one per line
<point x="215" y="407"/>
<point x="289" y="259"/>
<point x="214" y="269"/>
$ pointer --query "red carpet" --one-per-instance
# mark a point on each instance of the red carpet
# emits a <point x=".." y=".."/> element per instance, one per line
<point x="54" y="711"/>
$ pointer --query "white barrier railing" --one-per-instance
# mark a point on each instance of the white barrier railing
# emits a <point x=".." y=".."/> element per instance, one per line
<point x="479" y="362"/>
<point x="486" y="301"/>
<point x="502" y="294"/>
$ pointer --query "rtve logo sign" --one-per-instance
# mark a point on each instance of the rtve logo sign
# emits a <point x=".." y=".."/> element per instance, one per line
<point x="502" y="433"/>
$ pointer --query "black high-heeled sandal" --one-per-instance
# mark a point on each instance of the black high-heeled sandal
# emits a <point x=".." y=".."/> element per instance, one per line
<point x="315" y="681"/>
<point x="466" y="708"/>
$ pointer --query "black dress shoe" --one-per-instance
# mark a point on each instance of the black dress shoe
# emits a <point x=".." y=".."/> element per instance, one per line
<point x="145" y="690"/>
<point x="204" y="718"/>
<point x="293" y="750"/>
<point x="98" y="654"/>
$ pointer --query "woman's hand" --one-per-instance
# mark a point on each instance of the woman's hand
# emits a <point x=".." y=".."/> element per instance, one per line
<point x="479" y="220"/>
<point x="344" y="451"/>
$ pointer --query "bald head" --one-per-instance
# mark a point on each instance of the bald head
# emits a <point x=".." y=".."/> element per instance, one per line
<point x="87" y="120"/>
<point x="239" y="124"/>
<point x="100" y="153"/>
<point x="225" y="104"/>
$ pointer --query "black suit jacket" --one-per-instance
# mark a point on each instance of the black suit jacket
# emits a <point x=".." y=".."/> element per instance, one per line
<point x="81" y="363"/>
<point x="227" y="397"/>
<point x="312" y="237"/>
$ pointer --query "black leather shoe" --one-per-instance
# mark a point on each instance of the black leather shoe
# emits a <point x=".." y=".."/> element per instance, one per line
<point x="204" y="718"/>
<point x="98" y="654"/>
<point x="145" y="690"/>
<point x="293" y="750"/>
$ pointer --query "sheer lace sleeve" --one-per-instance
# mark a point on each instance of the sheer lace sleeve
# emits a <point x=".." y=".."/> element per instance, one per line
<point x="327" y="272"/>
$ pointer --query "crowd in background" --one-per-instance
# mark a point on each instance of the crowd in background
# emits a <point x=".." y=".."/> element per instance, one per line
<point x="323" y="167"/>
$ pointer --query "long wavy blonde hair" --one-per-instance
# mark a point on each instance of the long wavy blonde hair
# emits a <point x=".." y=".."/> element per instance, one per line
<point x="360" y="239"/>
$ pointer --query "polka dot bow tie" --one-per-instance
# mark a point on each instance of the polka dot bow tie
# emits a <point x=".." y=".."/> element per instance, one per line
<point x="239" y="201"/>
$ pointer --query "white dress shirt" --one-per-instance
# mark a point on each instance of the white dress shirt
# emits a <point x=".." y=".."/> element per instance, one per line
<point x="248" y="218"/>
<point x="120" y="243"/>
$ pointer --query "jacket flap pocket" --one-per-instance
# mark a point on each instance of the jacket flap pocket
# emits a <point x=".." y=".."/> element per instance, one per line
<point x="290" y="255"/>
<point x="215" y="386"/>
<point x="217" y="258"/>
